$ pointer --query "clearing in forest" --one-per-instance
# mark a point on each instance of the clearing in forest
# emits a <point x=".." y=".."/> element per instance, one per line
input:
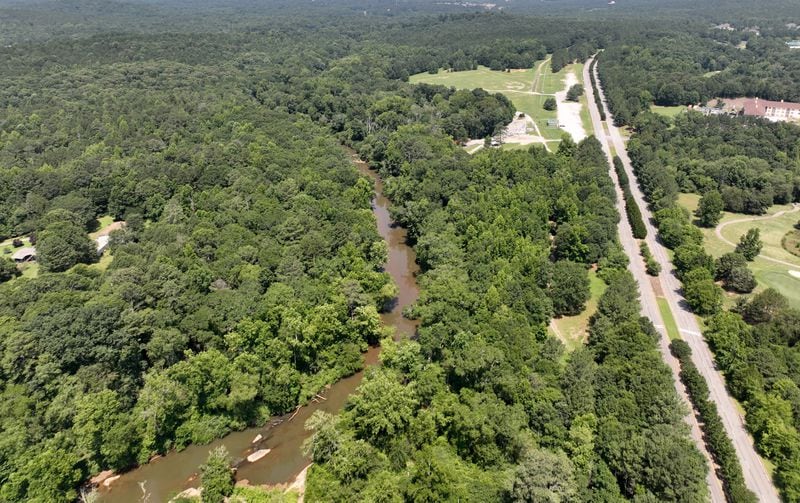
<point x="527" y="89"/>
<point x="573" y="330"/>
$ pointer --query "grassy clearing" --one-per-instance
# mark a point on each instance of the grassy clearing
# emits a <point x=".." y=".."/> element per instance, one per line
<point x="768" y="274"/>
<point x="517" y="86"/>
<point x="29" y="270"/>
<point x="104" y="262"/>
<point x="7" y="248"/>
<point x="574" y="329"/>
<point x="669" y="320"/>
<point x="667" y="111"/>
<point x="483" y="77"/>
<point x="102" y="223"/>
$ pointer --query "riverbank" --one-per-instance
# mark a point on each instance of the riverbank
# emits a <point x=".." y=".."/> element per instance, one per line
<point x="282" y="437"/>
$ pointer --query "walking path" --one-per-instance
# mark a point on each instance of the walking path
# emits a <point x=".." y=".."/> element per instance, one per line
<point x="648" y="299"/>
<point x="718" y="232"/>
<point x="756" y="476"/>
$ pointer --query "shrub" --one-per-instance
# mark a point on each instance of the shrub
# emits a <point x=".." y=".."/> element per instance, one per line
<point x="717" y="441"/>
<point x="550" y="104"/>
<point x="635" y="218"/>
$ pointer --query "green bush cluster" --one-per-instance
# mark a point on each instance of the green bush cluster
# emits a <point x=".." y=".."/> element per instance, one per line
<point x="597" y="101"/>
<point x="717" y="441"/>
<point x="632" y="210"/>
<point x="652" y="266"/>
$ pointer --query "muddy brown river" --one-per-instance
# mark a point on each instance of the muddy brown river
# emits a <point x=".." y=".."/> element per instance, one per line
<point x="166" y="476"/>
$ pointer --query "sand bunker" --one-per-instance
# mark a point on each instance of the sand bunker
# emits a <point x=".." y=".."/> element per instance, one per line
<point x="569" y="113"/>
<point x="794" y="274"/>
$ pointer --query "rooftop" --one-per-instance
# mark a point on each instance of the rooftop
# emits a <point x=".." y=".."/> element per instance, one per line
<point x="24" y="253"/>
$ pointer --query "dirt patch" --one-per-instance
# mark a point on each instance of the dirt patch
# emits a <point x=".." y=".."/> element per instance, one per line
<point x="569" y="112"/>
<point x="656" y="283"/>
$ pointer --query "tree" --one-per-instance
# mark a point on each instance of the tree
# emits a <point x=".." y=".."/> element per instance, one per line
<point x="575" y="92"/>
<point x="709" y="210"/>
<point x="62" y="245"/>
<point x="569" y="288"/>
<point x="8" y="269"/>
<point x="750" y="244"/>
<point x="216" y="476"/>
<point x="702" y="294"/>
<point x="741" y="280"/>
<point x="725" y="265"/>
<point x="544" y="476"/>
<point x="550" y="104"/>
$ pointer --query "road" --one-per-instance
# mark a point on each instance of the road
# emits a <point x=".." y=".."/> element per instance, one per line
<point x="756" y="476"/>
<point x="648" y="296"/>
<point x="718" y="232"/>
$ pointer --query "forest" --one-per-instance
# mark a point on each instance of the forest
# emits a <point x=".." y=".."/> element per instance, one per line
<point x="249" y="273"/>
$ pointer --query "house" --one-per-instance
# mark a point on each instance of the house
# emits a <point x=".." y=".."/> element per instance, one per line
<point x="26" y="254"/>
<point x="793" y="44"/>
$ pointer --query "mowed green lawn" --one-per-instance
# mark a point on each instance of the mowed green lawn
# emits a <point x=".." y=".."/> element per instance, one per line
<point x="769" y="274"/>
<point x="667" y="111"/>
<point x="490" y="80"/>
<point x="517" y="86"/>
<point x="574" y="329"/>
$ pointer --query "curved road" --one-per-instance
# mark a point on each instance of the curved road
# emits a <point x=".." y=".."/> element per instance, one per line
<point x="756" y="476"/>
<point x="648" y="298"/>
<point x="718" y="232"/>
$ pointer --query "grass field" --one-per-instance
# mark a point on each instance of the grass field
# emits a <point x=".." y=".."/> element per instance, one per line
<point x="769" y="274"/>
<point x="517" y="86"/>
<point x="667" y="111"/>
<point x="574" y="329"/>
<point x="669" y="320"/>
<point x="7" y="248"/>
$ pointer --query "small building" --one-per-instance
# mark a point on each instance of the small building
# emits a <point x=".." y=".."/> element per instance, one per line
<point x="552" y="123"/>
<point x="793" y="44"/>
<point x="26" y="254"/>
<point x="102" y="244"/>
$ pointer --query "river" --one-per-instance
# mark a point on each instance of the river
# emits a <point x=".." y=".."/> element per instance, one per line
<point x="168" y="475"/>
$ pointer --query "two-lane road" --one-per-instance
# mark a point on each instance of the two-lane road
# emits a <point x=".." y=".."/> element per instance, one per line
<point x="755" y="473"/>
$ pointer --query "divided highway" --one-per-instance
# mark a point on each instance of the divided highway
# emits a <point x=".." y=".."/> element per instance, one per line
<point x="647" y="293"/>
<point x="756" y="476"/>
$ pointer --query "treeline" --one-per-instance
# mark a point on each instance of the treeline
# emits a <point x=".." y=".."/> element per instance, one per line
<point x="479" y="407"/>
<point x="632" y="210"/>
<point x="753" y="344"/>
<point x="716" y="438"/>
<point x="751" y="163"/>
<point x="756" y="348"/>
<point x="693" y="66"/>
<point x="597" y="100"/>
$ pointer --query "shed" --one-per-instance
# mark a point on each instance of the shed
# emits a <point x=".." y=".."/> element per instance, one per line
<point x="25" y="254"/>
<point x="102" y="244"/>
<point x="552" y="122"/>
